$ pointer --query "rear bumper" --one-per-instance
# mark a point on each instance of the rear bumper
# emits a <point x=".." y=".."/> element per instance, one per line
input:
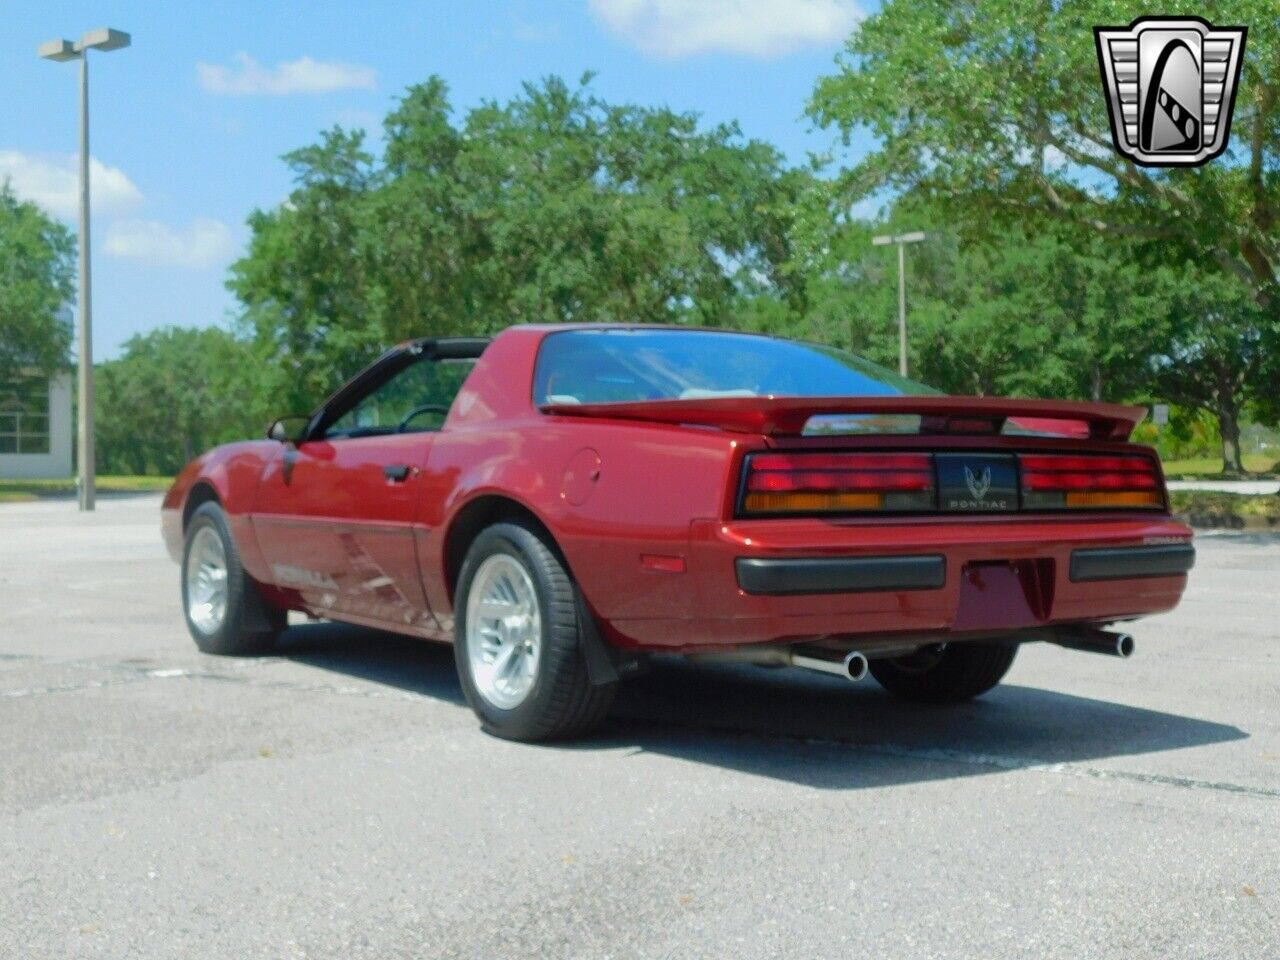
<point x="779" y="577"/>
<point x="771" y="581"/>
<point x="1129" y="563"/>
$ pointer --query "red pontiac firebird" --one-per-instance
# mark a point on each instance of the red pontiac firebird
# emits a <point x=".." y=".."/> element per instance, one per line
<point x="560" y="501"/>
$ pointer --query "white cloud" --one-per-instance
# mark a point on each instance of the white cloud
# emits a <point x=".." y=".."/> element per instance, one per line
<point x="205" y="243"/>
<point x="303" y="75"/>
<point x="54" y="183"/>
<point x="758" y="28"/>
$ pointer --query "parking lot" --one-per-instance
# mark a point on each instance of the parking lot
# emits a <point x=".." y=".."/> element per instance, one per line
<point x="338" y="800"/>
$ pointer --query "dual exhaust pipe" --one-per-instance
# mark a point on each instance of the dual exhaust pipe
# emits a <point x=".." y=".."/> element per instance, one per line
<point x="853" y="665"/>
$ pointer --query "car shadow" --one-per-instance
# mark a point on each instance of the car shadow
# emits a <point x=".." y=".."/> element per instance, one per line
<point x="806" y="728"/>
<point x="415" y="666"/>
<point x="811" y="728"/>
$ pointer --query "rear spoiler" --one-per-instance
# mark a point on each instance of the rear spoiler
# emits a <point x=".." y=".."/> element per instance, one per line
<point x="787" y="416"/>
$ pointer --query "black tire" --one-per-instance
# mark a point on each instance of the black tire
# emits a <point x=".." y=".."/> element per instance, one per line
<point x="957" y="671"/>
<point x="562" y="701"/>
<point x="250" y="626"/>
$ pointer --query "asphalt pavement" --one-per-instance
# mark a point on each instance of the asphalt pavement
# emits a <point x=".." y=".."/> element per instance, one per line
<point x="339" y="801"/>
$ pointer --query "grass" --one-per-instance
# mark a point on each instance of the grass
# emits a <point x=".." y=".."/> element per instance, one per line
<point x="19" y="491"/>
<point x="1205" y="503"/>
<point x="1204" y="468"/>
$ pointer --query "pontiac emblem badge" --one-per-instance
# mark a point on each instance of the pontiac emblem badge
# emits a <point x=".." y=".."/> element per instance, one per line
<point x="1171" y="86"/>
<point x="978" y="484"/>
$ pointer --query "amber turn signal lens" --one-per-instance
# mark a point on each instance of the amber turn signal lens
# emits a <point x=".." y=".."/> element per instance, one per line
<point x="806" y="502"/>
<point x="1109" y="498"/>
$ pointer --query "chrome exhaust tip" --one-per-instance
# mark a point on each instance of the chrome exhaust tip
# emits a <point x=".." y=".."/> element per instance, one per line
<point x="1090" y="640"/>
<point x="852" y="665"/>
<point x="855" y="666"/>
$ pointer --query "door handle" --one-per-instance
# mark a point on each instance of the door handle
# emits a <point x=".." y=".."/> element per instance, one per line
<point x="396" y="472"/>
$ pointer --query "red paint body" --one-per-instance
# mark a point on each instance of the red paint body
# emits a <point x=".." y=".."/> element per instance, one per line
<point x="323" y="530"/>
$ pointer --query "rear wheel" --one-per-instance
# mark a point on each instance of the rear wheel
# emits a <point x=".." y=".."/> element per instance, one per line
<point x="946" y="673"/>
<point x="517" y="650"/>
<point x="225" y="613"/>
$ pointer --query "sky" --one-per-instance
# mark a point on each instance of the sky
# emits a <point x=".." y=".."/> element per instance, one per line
<point x="189" y="123"/>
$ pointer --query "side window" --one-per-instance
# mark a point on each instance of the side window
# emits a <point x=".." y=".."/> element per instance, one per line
<point x="416" y="399"/>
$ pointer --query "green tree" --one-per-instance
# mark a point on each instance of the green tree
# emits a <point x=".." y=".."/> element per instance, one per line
<point x="303" y="281"/>
<point x="37" y="274"/>
<point x="172" y="394"/>
<point x="1037" y="309"/>
<point x="555" y="206"/>
<point x="995" y="107"/>
<point x="1216" y="351"/>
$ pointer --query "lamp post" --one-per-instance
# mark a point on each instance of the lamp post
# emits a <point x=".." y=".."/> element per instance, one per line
<point x="901" y="239"/>
<point x="105" y="40"/>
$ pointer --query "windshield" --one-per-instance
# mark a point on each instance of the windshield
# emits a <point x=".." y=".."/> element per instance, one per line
<point x="618" y="366"/>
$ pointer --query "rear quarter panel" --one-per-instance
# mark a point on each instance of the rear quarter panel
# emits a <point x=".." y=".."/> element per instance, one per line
<point x="610" y="493"/>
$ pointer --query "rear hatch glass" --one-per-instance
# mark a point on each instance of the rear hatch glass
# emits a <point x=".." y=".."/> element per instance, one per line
<point x="630" y="365"/>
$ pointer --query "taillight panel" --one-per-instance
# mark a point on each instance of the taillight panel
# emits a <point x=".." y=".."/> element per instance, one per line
<point x="1054" y="482"/>
<point x="838" y="482"/>
<point x="780" y="484"/>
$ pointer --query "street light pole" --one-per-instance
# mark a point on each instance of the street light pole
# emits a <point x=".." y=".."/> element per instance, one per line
<point x="901" y="239"/>
<point x="902" y="308"/>
<point x="105" y="40"/>
<point x="87" y="479"/>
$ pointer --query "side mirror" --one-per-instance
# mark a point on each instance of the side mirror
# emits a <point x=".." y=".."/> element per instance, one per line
<point x="289" y="430"/>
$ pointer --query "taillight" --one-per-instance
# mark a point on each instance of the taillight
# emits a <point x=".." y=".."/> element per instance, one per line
<point x="838" y="482"/>
<point x="1055" y="481"/>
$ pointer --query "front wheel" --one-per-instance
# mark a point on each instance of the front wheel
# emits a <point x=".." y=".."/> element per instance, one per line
<point x="517" y="650"/>
<point x="225" y="613"/>
<point x="946" y="673"/>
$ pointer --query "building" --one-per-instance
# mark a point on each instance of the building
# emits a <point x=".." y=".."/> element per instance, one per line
<point x="35" y="427"/>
